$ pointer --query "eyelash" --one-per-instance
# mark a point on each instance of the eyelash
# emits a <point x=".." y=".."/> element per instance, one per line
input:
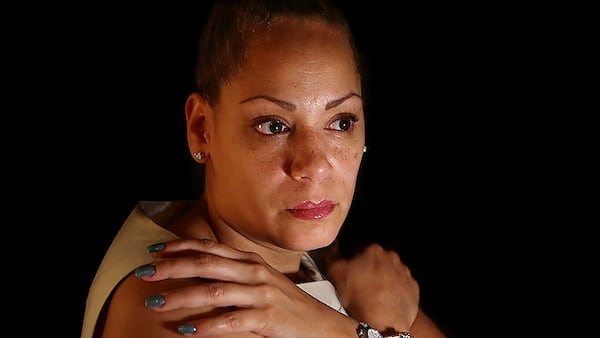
<point x="265" y="124"/>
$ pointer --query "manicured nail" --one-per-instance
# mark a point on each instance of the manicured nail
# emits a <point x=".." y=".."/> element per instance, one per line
<point x="186" y="329"/>
<point x="154" y="301"/>
<point x="156" y="247"/>
<point x="145" y="270"/>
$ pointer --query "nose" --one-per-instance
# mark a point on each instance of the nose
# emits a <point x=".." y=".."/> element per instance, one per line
<point x="310" y="158"/>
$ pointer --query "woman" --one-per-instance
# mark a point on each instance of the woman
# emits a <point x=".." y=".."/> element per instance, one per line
<point x="278" y="122"/>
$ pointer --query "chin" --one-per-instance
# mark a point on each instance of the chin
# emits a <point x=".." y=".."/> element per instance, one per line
<point x="312" y="241"/>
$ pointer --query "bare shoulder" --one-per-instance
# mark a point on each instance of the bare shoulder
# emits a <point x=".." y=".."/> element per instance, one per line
<point x="126" y="315"/>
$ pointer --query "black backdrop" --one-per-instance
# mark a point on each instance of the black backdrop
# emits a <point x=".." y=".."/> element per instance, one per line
<point x="435" y="180"/>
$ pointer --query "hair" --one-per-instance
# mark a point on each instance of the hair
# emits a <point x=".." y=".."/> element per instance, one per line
<point x="224" y="39"/>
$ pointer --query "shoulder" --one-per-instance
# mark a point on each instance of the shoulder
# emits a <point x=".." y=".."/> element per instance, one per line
<point x="126" y="315"/>
<point x="126" y="252"/>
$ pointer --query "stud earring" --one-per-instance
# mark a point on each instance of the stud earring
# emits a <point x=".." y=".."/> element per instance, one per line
<point x="200" y="155"/>
<point x="364" y="149"/>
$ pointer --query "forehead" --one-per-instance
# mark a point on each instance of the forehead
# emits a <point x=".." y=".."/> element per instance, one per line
<point x="294" y="28"/>
<point x="302" y="36"/>
<point x="299" y="52"/>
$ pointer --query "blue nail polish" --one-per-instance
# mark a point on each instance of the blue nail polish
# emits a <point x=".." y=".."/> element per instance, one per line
<point x="156" y="247"/>
<point x="186" y="329"/>
<point x="145" y="270"/>
<point x="154" y="301"/>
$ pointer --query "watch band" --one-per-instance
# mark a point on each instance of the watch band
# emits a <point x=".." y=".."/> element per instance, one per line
<point x="365" y="331"/>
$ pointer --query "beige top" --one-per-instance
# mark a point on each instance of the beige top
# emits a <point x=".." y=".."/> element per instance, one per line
<point x="128" y="251"/>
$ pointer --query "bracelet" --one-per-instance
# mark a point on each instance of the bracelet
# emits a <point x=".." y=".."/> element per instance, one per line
<point x="365" y="331"/>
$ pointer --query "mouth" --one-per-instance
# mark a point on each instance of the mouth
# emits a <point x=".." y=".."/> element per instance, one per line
<point x="310" y="210"/>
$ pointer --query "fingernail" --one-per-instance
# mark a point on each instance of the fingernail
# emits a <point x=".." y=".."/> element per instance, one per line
<point x="145" y="270"/>
<point x="154" y="301"/>
<point x="186" y="329"/>
<point x="156" y="247"/>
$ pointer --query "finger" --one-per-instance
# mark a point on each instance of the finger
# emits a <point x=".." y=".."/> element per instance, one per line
<point x="208" y="266"/>
<point x="231" y="322"/>
<point x="212" y="294"/>
<point x="183" y="247"/>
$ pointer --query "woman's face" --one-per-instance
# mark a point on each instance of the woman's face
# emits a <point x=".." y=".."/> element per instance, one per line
<point x="286" y="140"/>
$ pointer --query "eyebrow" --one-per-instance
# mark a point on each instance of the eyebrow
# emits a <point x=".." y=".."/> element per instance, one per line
<point x="291" y="107"/>
<point x="339" y="101"/>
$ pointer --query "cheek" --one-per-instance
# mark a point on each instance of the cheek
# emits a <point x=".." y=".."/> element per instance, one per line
<point x="346" y="164"/>
<point x="353" y="164"/>
<point x="351" y="169"/>
<point x="257" y="168"/>
<point x="349" y="156"/>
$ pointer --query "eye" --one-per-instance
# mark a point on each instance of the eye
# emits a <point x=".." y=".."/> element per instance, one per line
<point x="271" y="127"/>
<point x="344" y="122"/>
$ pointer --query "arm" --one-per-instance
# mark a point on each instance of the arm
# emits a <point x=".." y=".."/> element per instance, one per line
<point x="221" y="292"/>
<point x="424" y="327"/>
<point x="127" y="316"/>
<point x="377" y="288"/>
<point x="242" y="297"/>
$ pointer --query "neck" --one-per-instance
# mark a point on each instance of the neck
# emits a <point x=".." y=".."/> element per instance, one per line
<point x="285" y="261"/>
<point x="196" y="223"/>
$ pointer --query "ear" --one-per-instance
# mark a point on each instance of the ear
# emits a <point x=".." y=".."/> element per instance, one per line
<point x="198" y="115"/>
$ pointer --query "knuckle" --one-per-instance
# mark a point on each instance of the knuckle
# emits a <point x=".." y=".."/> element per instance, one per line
<point x="215" y="290"/>
<point x="260" y="271"/>
<point x="232" y="320"/>
<point x="374" y="248"/>
<point x="207" y="242"/>
<point x="204" y="260"/>
<point x="394" y="257"/>
<point x="267" y="292"/>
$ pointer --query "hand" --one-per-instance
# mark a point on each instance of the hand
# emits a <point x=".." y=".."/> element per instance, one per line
<point x="375" y="287"/>
<point x="259" y="298"/>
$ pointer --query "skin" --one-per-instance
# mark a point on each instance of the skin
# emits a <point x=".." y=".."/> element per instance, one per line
<point x="304" y="77"/>
<point x="375" y="268"/>
<point x="243" y="236"/>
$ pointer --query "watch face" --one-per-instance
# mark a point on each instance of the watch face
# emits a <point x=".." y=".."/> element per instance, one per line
<point x="372" y="333"/>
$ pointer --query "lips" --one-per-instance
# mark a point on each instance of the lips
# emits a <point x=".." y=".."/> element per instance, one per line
<point x="310" y="210"/>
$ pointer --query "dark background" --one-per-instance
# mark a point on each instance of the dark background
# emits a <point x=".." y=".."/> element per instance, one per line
<point x="445" y="181"/>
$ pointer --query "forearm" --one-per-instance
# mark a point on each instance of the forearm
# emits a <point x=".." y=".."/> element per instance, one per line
<point x="424" y="327"/>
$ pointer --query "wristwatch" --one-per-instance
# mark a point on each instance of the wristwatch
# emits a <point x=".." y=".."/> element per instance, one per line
<point x="365" y="331"/>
